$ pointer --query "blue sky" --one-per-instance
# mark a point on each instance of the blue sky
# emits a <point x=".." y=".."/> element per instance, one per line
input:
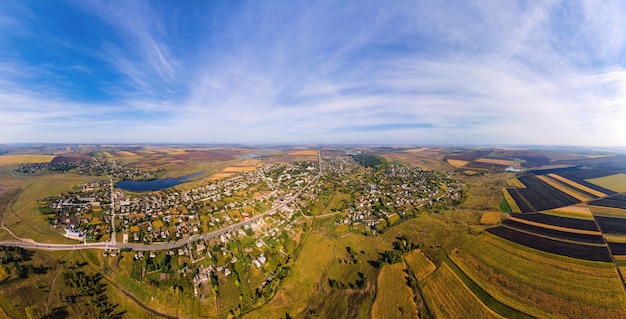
<point x="385" y="72"/>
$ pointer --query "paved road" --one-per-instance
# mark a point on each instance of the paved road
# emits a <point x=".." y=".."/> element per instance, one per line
<point x="157" y="246"/>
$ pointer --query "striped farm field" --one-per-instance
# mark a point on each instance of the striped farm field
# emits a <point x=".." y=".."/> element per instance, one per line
<point x="510" y="201"/>
<point x="615" y="238"/>
<point x="447" y="297"/>
<point x="24" y="159"/>
<point x="578" y="186"/>
<point x="565" y="189"/>
<point x="394" y="298"/>
<point x="457" y="163"/>
<point x="542" y="284"/>
<point x="419" y="264"/>
<point x="553" y="227"/>
<point x="496" y="161"/>
<point x="616" y="183"/>
<point x="608" y="211"/>
<point x="514" y="182"/>
<point x="575" y="211"/>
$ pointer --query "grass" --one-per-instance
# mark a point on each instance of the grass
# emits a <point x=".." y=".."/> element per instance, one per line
<point x="490" y="218"/>
<point x="514" y="182"/>
<point x="303" y="279"/>
<point x="563" y="188"/>
<point x="24" y="159"/>
<point x="616" y="183"/>
<point x="542" y="284"/>
<point x="419" y="264"/>
<point x="394" y="298"/>
<point x="447" y="297"/>
<point x="510" y="201"/>
<point x="23" y="217"/>
<point x="576" y="185"/>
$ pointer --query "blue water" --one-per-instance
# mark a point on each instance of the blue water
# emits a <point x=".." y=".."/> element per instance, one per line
<point x="154" y="185"/>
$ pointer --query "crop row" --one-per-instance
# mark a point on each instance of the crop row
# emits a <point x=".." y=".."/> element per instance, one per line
<point x="575" y="223"/>
<point x="538" y="195"/>
<point x="616" y="201"/>
<point x="597" y="253"/>
<point x="611" y="225"/>
<point x="553" y="233"/>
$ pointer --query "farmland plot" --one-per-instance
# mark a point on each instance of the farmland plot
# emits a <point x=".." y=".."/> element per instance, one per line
<point x="616" y="183"/>
<point x="541" y="284"/>
<point x="394" y="299"/>
<point x="612" y="225"/>
<point x="448" y="297"/>
<point x="538" y="195"/>
<point x="616" y="201"/>
<point x="580" y="224"/>
<point x="559" y="247"/>
<point x="561" y="233"/>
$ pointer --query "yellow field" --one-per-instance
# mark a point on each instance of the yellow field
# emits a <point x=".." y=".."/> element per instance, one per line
<point x="576" y="185"/>
<point x="579" y="211"/>
<point x="608" y="211"/>
<point x="559" y="228"/>
<point x="496" y="161"/>
<point x="565" y="189"/>
<point x="394" y="299"/>
<point x="457" y="163"/>
<point x="616" y="183"/>
<point x="490" y="218"/>
<point x="514" y="182"/>
<point x="419" y="264"/>
<point x="447" y="297"/>
<point x="25" y="158"/>
<point x="510" y="201"/>
<point x="540" y="284"/>
<point x="217" y="176"/>
<point x="613" y="238"/>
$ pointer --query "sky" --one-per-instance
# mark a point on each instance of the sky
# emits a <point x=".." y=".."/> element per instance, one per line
<point x="375" y="72"/>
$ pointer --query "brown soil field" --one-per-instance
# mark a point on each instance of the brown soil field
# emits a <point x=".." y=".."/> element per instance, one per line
<point x="496" y="161"/>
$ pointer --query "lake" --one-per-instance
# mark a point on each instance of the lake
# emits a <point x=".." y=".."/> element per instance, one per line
<point x="154" y="185"/>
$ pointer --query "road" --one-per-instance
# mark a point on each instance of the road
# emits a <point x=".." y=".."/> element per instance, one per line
<point x="164" y="246"/>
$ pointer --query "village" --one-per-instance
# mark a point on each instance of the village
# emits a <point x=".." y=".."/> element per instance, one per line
<point x="250" y="256"/>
